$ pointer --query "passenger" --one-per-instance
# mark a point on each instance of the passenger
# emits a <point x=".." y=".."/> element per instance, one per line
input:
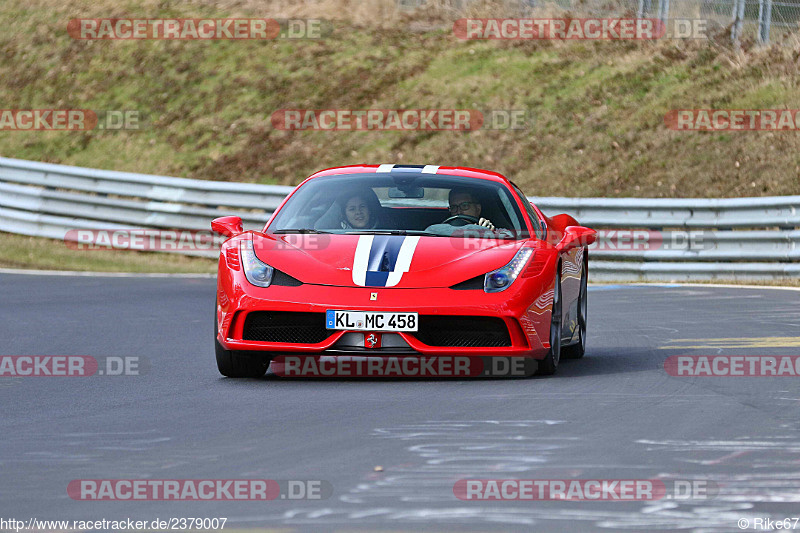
<point x="360" y="210"/>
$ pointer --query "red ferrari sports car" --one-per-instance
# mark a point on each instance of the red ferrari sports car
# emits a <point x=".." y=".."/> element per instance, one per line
<point x="402" y="260"/>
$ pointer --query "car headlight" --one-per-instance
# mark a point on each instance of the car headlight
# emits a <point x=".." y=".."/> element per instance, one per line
<point x="256" y="271"/>
<point x="502" y="278"/>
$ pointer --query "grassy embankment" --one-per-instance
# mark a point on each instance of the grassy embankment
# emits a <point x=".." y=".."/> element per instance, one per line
<point x="595" y="109"/>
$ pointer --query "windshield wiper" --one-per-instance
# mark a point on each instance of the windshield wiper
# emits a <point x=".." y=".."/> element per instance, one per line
<point x="393" y="232"/>
<point x="300" y="230"/>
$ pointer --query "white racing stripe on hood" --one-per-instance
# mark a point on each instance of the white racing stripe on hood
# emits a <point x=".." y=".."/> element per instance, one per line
<point x="369" y="250"/>
<point x="403" y="260"/>
<point x="361" y="259"/>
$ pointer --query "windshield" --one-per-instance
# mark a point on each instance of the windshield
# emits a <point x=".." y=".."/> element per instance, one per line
<point x="435" y="205"/>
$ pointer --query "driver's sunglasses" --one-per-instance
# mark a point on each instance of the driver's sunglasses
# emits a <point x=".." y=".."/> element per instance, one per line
<point x="463" y="206"/>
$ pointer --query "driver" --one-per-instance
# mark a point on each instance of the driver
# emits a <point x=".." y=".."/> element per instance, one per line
<point x="464" y="202"/>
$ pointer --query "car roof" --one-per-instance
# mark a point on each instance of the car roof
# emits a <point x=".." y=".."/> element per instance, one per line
<point x="391" y="169"/>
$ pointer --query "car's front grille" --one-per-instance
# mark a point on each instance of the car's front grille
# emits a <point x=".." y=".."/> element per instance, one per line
<point x="464" y="331"/>
<point x="281" y="326"/>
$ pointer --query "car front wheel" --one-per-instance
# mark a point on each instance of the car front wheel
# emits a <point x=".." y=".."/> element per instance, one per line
<point x="235" y="364"/>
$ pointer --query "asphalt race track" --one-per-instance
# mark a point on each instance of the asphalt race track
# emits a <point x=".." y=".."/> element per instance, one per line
<point x="616" y="414"/>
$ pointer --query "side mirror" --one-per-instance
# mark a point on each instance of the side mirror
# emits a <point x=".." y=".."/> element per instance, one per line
<point x="575" y="236"/>
<point x="227" y="226"/>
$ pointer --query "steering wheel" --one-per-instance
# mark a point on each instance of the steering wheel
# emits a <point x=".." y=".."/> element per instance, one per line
<point x="464" y="219"/>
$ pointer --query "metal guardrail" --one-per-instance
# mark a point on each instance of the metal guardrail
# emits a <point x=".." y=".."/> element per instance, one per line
<point x="677" y="239"/>
<point x="47" y="200"/>
<point x="658" y="213"/>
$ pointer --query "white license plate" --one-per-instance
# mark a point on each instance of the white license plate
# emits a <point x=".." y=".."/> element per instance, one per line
<point x="371" y="320"/>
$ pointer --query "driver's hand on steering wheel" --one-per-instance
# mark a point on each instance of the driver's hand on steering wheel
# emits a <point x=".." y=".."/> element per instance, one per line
<point x="486" y="223"/>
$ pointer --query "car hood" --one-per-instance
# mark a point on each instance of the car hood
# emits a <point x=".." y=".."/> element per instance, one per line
<point x="383" y="260"/>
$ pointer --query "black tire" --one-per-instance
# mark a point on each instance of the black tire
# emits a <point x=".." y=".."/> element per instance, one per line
<point x="234" y="364"/>
<point x="576" y="351"/>
<point x="549" y="365"/>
